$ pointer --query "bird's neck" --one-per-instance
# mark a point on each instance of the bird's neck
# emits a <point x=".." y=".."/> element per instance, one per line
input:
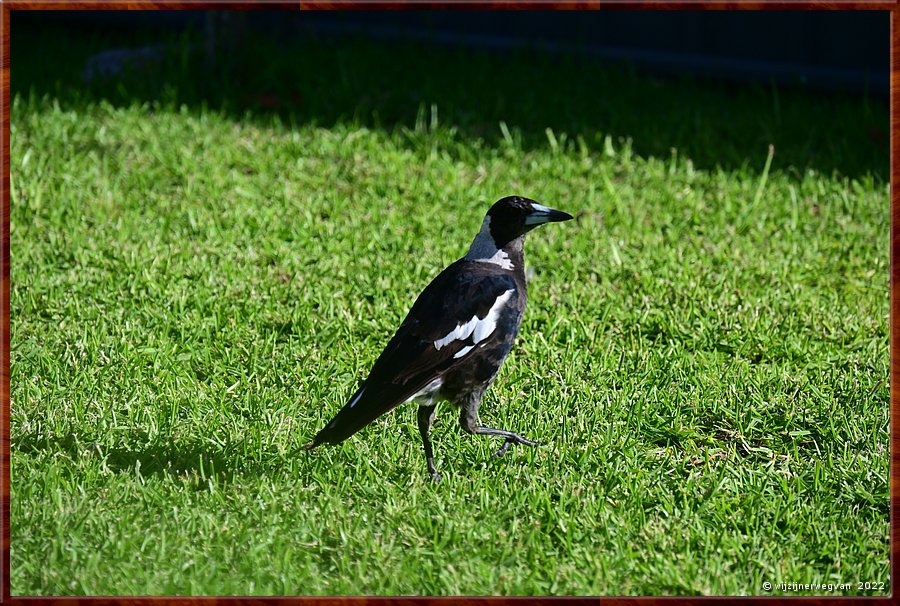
<point x="485" y="250"/>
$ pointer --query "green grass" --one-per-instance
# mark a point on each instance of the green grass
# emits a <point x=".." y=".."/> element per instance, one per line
<point x="196" y="290"/>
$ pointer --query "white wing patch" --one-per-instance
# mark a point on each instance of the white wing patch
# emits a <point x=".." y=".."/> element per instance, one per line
<point x="478" y="329"/>
<point x="358" y="396"/>
<point x="463" y="351"/>
<point x="460" y="333"/>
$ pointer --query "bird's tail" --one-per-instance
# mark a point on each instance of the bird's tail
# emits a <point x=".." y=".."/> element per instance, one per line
<point x="366" y="405"/>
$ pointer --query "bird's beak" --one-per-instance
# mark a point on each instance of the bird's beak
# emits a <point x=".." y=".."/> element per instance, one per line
<point x="542" y="214"/>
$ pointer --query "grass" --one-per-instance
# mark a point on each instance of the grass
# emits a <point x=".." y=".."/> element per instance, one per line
<point x="197" y="288"/>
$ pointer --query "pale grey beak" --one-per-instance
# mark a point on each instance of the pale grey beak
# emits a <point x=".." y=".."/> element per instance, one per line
<point x="543" y="214"/>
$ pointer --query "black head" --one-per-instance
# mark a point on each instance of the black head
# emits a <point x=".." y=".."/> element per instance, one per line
<point x="514" y="216"/>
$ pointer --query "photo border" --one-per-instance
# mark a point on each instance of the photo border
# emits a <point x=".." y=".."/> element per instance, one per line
<point x="35" y="5"/>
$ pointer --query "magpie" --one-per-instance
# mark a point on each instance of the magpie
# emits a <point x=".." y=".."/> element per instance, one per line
<point x="456" y="336"/>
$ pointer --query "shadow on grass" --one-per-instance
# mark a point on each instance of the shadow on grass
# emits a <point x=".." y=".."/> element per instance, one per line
<point x="159" y="457"/>
<point x="587" y="104"/>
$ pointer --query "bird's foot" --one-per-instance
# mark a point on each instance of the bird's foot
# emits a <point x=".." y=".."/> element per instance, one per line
<point x="510" y="441"/>
<point x="433" y="472"/>
<point x="502" y="450"/>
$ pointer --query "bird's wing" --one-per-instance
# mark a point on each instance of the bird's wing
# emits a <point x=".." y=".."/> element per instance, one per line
<point x="454" y="314"/>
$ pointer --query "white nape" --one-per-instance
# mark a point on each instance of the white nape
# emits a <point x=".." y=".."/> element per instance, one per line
<point x="484" y="249"/>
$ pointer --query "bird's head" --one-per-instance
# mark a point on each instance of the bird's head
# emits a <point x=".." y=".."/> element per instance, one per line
<point x="514" y="216"/>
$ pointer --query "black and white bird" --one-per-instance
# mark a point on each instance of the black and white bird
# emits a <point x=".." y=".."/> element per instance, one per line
<point x="456" y="336"/>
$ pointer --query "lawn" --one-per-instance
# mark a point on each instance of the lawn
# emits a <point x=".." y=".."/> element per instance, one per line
<point x="201" y="275"/>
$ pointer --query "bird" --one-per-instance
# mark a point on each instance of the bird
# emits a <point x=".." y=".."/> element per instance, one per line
<point x="455" y="337"/>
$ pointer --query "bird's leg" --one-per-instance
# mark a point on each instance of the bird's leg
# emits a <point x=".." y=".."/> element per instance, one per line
<point x="468" y="419"/>
<point x="426" y="418"/>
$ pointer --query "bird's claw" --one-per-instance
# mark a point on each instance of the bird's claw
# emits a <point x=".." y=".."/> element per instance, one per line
<point x="509" y="442"/>
<point x="502" y="450"/>
<point x="433" y="472"/>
